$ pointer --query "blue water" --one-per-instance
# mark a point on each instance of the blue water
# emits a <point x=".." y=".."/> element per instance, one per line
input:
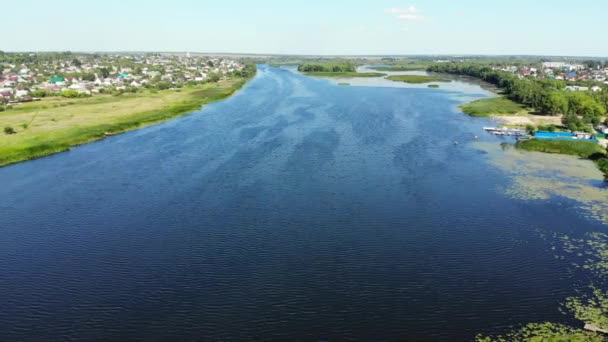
<point x="297" y="209"/>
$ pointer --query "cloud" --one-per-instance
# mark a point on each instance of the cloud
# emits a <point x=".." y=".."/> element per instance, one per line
<point x="408" y="13"/>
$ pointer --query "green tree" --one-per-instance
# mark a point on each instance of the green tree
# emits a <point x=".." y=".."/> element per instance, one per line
<point x="556" y="103"/>
<point x="104" y="72"/>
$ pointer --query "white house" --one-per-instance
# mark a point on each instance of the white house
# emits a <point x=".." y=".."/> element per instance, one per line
<point x="577" y="88"/>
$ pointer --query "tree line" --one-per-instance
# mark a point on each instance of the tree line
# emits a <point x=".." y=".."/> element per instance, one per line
<point x="580" y="109"/>
<point x="327" y="67"/>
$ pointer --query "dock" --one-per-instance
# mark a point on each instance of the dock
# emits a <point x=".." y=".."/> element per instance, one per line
<point x="505" y="131"/>
<point x="595" y="329"/>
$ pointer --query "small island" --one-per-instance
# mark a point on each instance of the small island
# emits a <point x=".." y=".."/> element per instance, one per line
<point x="344" y="70"/>
<point x="416" y="79"/>
<point x="492" y="106"/>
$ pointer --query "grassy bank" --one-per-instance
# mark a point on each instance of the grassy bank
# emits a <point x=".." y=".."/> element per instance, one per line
<point x="583" y="149"/>
<point x="344" y="74"/>
<point x="416" y="79"/>
<point x="492" y="106"/>
<point x="56" y="124"/>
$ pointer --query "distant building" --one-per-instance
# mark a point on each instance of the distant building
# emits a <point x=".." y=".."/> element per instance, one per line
<point x="577" y="88"/>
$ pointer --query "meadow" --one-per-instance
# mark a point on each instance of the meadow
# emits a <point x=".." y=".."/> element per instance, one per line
<point x="56" y="124"/>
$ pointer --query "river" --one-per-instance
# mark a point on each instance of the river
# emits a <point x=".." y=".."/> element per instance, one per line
<point x="296" y="209"/>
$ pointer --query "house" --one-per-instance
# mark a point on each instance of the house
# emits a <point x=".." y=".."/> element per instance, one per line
<point x="6" y="92"/>
<point x="596" y="88"/>
<point x="21" y="93"/>
<point x="551" y="65"/>
<point x="577" y="88"/>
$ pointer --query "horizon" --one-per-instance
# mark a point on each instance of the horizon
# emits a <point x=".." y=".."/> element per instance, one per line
<point x="271" y="27"/>
<point x="304" y="55"/>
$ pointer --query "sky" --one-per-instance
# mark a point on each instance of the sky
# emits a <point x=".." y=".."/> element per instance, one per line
<point x="315" y="27"/>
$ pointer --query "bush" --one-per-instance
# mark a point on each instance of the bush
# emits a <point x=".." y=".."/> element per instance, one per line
<point x="547" y="128"/>
<point x="1" y="108"/>
<point x="70" y="93"/>
<point x="530" y="128"/>
<point x="9" y="130"/>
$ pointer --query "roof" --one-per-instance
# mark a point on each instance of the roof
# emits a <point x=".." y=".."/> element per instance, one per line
<point x="57" y="79"/>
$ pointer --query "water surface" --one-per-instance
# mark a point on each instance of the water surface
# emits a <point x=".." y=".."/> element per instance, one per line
<point x="297" y="209"/>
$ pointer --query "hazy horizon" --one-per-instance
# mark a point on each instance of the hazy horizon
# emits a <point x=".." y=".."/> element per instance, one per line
<point x="272" y="27"/>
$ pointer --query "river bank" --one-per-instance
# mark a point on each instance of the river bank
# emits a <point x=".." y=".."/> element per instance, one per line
<point x="56" y="124"/>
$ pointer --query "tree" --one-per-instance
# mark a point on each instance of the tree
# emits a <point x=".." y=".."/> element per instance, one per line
<point x="104" y="72"/>
<point x="76" y="62"/>
<point x="88" y="77"/>
<point x="556" y="103"/>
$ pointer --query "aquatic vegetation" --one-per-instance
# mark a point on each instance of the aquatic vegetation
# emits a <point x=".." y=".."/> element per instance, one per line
<point x="569" y="177"/>
<point x="589" y="308"/>
<point x="416" y="78"/>
<point x="592" y="309"/>
<point x="546" y="331"/>
<point x="594" y="247"/>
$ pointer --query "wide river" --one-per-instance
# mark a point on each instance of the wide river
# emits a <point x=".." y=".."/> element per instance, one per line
<point x="296" y="209"/>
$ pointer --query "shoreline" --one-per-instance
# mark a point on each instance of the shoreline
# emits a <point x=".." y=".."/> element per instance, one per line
<point x="170" y="104"/>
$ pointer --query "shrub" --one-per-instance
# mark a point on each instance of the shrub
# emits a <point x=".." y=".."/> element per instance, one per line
<point x="9" y="130"/>
<point x="530" y="128"/>
<point x="70" y="93"/>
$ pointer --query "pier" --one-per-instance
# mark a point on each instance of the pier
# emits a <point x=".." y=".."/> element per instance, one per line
<point x="505" y="131"/>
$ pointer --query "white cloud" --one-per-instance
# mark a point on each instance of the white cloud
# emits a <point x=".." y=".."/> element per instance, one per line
<point x="408" y="13"/>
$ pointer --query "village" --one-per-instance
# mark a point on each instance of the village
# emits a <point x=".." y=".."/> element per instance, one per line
<point x="30" y="77"/>
<point x="586" y="77"/>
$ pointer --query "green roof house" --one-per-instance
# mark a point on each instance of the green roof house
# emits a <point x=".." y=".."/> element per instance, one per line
<point x="57" y="79"/>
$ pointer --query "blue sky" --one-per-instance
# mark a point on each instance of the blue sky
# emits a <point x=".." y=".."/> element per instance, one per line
<point x="548" y="27"/>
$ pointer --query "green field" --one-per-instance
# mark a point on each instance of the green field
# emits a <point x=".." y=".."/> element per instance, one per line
<point x="56" y="124"/>
<point x="343" y="74"/>
<point x="416" y="79"/>
<point x="584" y="149"/>
<point x="492" y="106"/>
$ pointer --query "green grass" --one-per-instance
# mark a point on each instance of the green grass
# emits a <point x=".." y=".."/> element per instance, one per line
<point x="57" y="124"/>
<point x="344" y="74"/>
<point x="416" y="79"/>
<point x="492" y="106"/>
<point x="403" y="67"/>
<point x="343" y="84"/>
<point x="584" y="149"/>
